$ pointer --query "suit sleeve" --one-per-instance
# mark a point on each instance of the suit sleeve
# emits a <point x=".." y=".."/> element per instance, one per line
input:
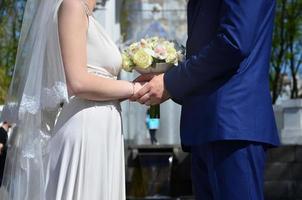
<point x="236" y="35"/>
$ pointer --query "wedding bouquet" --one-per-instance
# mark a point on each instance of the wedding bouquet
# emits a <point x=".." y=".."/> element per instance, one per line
<point x="151" y="55"/>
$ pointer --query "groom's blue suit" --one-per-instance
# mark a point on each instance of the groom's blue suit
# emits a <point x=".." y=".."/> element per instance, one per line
<point x="223" y="86"/>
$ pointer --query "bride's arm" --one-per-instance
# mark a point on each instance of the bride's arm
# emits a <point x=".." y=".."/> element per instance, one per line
<point x="73" y="25"/>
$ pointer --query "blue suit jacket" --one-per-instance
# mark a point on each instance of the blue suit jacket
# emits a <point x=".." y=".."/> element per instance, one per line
<point x="223" y="86"/>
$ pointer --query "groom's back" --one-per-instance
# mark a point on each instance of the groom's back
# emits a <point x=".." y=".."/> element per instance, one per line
<point x="236" y="105"/>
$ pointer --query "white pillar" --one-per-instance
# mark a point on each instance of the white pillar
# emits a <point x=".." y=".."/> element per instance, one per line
<point x="291" y="132"/>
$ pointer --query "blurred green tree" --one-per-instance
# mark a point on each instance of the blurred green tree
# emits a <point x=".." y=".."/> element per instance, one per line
<point x="294" y="55"/>
<point x="287" y="46"/>
<point x="11" y="13"/>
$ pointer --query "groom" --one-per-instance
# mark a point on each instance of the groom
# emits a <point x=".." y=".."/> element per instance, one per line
<point x="227" y="118"/>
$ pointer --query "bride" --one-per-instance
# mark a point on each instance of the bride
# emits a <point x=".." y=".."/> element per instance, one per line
<point x="64" y="98"/>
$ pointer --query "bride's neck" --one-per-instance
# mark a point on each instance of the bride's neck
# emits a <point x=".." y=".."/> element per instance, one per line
<point x="91" y="4"/>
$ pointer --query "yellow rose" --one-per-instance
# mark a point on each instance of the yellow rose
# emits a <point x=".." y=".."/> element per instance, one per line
<point x="142" y="59"/>
<point x="172" y="56"/>
<point x="133" y="48"/>
<point x="127" y="63"/>
<point x="153" y="42"/>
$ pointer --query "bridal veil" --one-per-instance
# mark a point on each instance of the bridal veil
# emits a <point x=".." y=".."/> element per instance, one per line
<point x="38" y="88"/>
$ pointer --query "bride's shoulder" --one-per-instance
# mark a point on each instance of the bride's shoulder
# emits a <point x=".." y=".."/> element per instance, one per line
<point x="72" y="7"/>
<point x="72" y="16"/>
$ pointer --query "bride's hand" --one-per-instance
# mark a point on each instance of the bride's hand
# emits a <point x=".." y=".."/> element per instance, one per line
<point x="138" y="86"/>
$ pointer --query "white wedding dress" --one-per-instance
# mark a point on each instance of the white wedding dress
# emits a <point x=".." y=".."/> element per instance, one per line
<point x="85" y="157"/>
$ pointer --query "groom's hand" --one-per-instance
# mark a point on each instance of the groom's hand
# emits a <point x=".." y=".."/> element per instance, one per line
<point x="153" y="92"/>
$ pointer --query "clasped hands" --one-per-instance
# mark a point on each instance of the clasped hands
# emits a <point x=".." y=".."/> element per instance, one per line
<point x="150" y="89"/>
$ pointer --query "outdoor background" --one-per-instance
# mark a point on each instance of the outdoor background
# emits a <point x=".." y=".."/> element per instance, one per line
<point x="164" y="170"/>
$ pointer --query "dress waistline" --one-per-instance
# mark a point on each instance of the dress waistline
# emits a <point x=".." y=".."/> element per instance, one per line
<point x="98" y="71"/>
<point x="89" y="103"/>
